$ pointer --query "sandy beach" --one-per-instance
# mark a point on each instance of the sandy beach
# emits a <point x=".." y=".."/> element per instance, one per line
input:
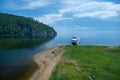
<point x="47" y="61"/>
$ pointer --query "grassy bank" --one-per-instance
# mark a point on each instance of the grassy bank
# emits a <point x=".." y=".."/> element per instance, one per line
<point x="88" y="63"/>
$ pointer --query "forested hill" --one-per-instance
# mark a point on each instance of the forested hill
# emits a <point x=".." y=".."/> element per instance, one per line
<point x="23" y="27"/>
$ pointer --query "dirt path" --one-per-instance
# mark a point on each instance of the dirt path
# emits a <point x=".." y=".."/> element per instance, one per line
<point x="46" y="61"/>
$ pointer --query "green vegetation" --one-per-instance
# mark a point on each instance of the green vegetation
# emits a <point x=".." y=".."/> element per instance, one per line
<point x="12" y="26"/>
<point x="88" y="63"/>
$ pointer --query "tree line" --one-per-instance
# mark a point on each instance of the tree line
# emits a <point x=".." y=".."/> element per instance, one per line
<point x="23" y="27"/>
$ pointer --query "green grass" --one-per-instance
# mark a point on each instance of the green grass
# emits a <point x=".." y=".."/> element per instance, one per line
<point x="88" y="63"/>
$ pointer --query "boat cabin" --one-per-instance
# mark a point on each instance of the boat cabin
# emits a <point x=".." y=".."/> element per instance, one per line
<point x="74" y="40"/>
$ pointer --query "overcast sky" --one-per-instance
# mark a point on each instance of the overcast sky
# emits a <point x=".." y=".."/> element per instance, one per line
<point x="80" y="15"/>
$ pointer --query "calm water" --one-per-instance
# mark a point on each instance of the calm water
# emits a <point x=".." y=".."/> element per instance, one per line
<point x="16" y="55"/>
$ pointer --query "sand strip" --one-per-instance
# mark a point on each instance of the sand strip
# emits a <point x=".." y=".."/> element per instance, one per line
<point x="47" y="61"/>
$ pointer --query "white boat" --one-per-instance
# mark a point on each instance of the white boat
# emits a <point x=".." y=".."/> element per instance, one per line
<point x="75" y="40"/>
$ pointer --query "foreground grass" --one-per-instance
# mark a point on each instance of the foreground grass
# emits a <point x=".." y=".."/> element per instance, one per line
<point x="88" y="63"/>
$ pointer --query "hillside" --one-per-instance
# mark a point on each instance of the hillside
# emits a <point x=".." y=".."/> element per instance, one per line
<point x="23" y="27"/>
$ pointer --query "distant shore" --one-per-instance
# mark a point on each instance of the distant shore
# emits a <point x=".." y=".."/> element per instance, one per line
<point x="47" y="61"/>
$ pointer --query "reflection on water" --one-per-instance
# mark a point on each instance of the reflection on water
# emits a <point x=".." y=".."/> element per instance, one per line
<point x="21" y="43"/>
<point x="16" y="56"/>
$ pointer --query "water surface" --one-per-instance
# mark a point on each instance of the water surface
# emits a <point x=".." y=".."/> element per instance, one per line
<point x="16" y="55"/>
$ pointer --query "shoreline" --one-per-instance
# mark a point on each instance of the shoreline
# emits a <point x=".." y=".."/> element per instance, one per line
<point x="46" y="61"/>
<point x="35" y="72"/>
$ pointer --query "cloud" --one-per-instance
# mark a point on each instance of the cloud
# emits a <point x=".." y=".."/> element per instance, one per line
<point x="97" y="14"/>
<point x="72" y="9"/>
<point x="51" y="18"/>
<point x="90" y="8"/>
<point x="33" y="4"/>
<point x="26" y="4"/>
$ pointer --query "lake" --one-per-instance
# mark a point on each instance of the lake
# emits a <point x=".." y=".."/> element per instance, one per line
<point x="16" y="55"/>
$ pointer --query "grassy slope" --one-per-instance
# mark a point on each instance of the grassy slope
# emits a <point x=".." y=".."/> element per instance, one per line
<point x="88" y="63"/>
